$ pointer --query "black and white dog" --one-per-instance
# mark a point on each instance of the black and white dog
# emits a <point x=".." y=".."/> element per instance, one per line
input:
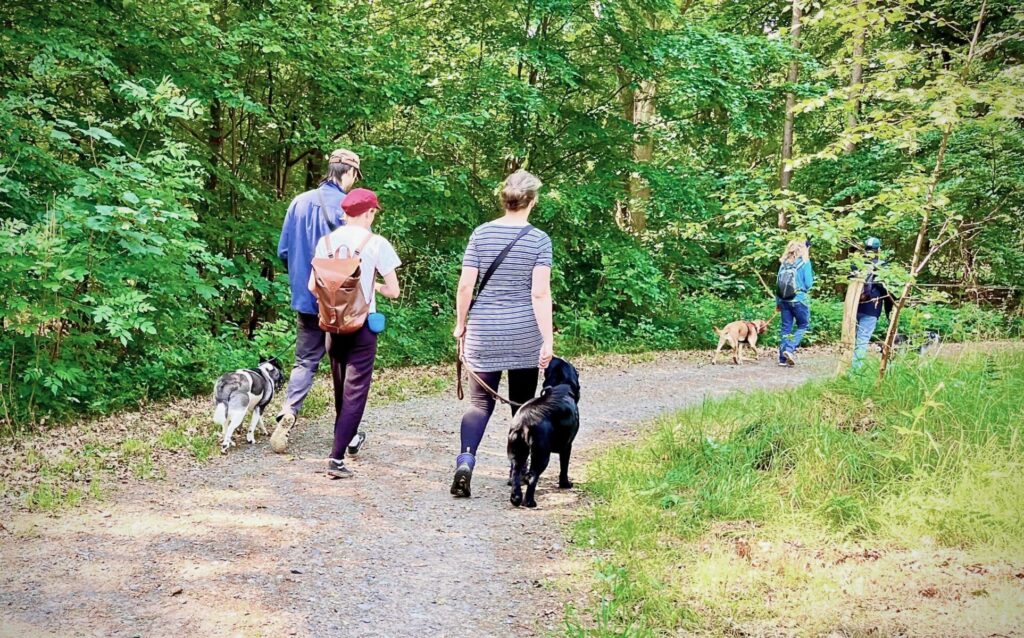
<point x="929" y="342"/>
<point x="238" y="392"/>
<point x="544" y="425"/>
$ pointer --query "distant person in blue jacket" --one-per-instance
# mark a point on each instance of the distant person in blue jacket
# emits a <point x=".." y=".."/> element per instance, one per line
<point x="312" y="215"/>
<point x="794" y="281"/>
<point x="873" y="299"/>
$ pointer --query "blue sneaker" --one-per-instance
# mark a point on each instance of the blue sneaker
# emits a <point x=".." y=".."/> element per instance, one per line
<point x="463" y="475"/>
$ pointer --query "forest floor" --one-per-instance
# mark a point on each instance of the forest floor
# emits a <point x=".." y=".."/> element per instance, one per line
<point x="258" y="544"/>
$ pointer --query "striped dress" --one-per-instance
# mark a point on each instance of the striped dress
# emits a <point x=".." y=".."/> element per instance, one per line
<point x="501" y="330"/>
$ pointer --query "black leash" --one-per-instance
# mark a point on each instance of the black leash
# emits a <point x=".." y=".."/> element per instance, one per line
<point x="284" y="349"/>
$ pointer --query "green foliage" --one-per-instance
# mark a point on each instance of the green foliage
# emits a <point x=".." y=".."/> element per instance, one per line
<point x="151" y="150"/>
<point x="931" y="456"/>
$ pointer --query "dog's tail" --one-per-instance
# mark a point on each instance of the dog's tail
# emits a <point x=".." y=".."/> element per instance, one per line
<point x="220" y="414"/>
<point x="718" y="331"/>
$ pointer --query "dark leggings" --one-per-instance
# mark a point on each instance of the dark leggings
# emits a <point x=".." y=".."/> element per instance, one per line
<point x="352" y="359"/>
<point x="522" y="386"/>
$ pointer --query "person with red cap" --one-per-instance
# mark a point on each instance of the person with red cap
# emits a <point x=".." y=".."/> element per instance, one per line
<point x="352" y="355"/>
<point x="311" y="215"/>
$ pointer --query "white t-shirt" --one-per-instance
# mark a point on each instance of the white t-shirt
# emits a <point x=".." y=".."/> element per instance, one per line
<point x="378" y="256"/>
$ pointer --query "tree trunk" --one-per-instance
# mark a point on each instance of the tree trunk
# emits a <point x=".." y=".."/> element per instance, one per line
<point x="856" y="74"/>
<point x="916" y="265"/>
<point x="894" y="316"/>
<point x="311" y="175"/>
<point x="786" y="169"/>
<point x="627" y="100"/>
<point x="216" y="142"/>
<point x="643" y="150"/>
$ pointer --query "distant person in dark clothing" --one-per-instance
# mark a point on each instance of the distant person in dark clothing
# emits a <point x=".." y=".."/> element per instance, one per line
<point x="873" y="299"/>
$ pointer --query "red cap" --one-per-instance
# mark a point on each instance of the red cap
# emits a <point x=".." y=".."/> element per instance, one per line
<point x="359" y="201"/>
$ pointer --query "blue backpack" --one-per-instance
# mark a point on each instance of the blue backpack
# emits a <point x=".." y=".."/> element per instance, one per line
<point x="785" y="283"/>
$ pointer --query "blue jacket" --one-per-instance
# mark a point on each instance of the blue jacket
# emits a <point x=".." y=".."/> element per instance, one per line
<point x="804" y="282"/>
<point x="303" y="227"/>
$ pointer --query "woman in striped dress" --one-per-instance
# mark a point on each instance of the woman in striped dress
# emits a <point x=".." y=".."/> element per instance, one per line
<point x="509" y="326"/>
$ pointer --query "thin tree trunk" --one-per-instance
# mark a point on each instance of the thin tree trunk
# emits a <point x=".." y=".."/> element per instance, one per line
<point x="643" y="151"/>
<point x="216" y="142"/>
<point x="627" y="100"/>
<point x="786" y="169"/>
<point x="916" y="265"/>
<point x="310" y="171"/>
<point x="856" y="74"/>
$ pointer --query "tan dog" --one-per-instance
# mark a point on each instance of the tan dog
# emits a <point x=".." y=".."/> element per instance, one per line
<point x="738" y="333"/>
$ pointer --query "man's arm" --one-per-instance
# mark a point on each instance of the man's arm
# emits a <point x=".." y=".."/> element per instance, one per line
<point x="286" y="234"/>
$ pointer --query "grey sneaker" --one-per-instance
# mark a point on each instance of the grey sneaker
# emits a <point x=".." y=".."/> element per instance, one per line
<point x="336" y="469"/>
<point x="790" y="358"/>
<point x="356" y="443"/>
<point x="279" y="439"/>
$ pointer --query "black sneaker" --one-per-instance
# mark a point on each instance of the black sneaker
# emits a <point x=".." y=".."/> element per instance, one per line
<point x="463" y="475"/>
<point x="336" y="469"/>
<point x="356" y="443"/>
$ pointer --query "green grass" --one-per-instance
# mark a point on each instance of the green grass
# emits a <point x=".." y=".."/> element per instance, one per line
<point x="196" y="435"/>
<point x="60" y="483"/>
<point x="66" y="481"/>
<point x="933" y="457"/>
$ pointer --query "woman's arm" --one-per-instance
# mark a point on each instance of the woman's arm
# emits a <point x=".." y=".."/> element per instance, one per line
<point x="463" y="297"/>
<point x="540" y="291"/>
<point x="389" y="288"/>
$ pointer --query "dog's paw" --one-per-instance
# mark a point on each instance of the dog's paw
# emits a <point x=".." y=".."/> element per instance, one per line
<point x="224" y="449"/>
<point x="530" y="503"/>
<point x="565" y="485"/>
<point x="251" y="440"/>
<point x="516" y="499"/>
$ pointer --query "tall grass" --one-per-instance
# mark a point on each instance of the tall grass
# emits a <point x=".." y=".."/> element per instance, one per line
<point x="932" y="457"/>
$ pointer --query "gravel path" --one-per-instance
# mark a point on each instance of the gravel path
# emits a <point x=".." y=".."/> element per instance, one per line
<point x="257" y="544"/>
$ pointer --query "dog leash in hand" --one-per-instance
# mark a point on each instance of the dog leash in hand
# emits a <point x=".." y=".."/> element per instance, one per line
<point x="288" y="347"/>
<point x="458" y="376"/>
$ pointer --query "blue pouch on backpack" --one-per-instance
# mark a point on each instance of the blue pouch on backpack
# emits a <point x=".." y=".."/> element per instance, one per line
<point x="376" y="322"/>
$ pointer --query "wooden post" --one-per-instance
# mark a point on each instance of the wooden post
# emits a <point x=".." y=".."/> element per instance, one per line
<point x="849" y="334"/>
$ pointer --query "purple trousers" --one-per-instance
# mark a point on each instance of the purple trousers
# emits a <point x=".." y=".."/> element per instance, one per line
<point x="352" y="358"/>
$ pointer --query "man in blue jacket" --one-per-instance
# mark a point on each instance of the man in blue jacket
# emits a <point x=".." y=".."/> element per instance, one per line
<point x="311" y="215"/>
<point x="873" y="299"/>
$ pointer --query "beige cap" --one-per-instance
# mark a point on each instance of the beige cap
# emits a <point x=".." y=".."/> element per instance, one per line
<point x="345" y="156"/>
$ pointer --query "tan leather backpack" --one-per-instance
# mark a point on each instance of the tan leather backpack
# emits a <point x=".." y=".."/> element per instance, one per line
<point x="341" y="304"/>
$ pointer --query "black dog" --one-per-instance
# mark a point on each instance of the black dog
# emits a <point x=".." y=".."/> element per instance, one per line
<point x="545" y="425"/>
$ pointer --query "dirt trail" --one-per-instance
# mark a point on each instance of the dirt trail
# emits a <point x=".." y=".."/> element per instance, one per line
<point x="257" y="544"/>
